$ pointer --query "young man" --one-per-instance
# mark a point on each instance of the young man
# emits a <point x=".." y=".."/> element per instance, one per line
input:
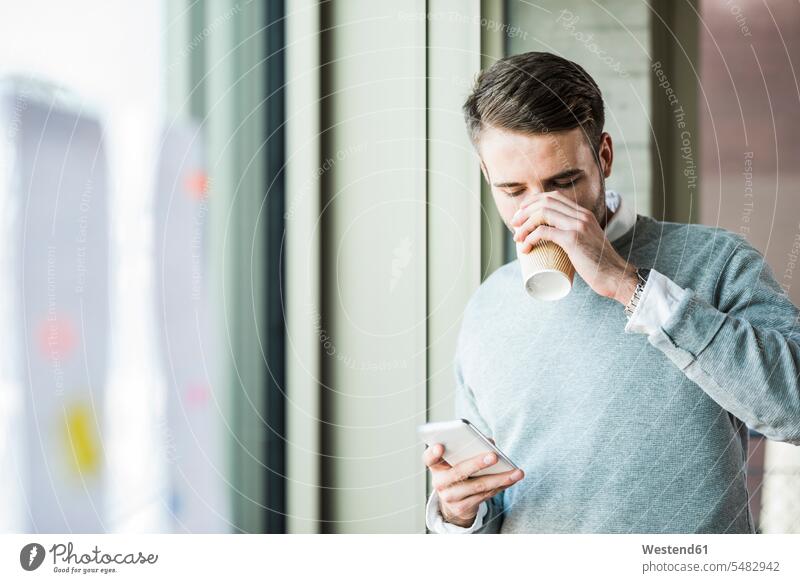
<point x="626" y="403"/>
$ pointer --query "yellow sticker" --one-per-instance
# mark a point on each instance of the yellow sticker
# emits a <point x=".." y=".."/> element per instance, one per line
<point x="81" y="439"/>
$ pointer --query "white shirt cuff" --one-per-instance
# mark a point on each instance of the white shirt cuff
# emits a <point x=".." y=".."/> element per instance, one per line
<point x="659" y="301"/>
<point x="437" y="524"/>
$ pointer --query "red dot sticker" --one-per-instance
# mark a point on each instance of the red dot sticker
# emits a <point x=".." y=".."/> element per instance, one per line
<point x="197" y="394"/>
<point x="196" y="184"/>
<point x="56" y="337"/>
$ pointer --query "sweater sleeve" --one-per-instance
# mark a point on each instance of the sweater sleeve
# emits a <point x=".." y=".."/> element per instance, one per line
<point x="490" y="512"/>
<point x="743" y="351"/>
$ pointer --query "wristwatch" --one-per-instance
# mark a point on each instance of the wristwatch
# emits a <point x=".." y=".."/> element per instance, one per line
<point x="630" y="307"/>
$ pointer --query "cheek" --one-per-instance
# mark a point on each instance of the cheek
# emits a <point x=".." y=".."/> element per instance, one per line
<point x="506" y="205"/>
<point x="584" y="193"/>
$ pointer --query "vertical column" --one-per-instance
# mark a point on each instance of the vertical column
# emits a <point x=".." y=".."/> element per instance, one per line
<point x="374" y="221"/>
<point x="463" y="241"/>
<point x="674" y="80"/>
<point x="455" y="214"/>
<point x="302" y="300"/>
<point x="384" y="238"/>
<point x="496" y="243"/>
<point x="235" y="91"/>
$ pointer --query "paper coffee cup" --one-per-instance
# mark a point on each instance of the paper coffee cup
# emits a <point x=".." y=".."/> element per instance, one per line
<point x="547" y="271"/>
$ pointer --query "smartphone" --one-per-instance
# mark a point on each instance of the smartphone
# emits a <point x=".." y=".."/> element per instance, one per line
<point x="461" y="441"/>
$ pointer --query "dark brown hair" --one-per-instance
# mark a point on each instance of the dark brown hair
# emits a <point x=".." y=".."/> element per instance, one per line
<point x="535" y="93"/>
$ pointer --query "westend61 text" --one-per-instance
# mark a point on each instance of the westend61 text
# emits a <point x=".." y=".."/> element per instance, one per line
<point x="673" y="550"/>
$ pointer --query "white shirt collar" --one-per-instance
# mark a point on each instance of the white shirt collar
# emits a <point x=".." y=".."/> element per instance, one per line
<point x="624" y="215"/>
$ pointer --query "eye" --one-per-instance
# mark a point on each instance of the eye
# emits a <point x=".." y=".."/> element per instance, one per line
<point x="515" y="192"/>
<point x="568" y="183"/>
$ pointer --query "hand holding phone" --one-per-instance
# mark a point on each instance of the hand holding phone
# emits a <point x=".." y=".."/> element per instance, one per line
<point x="467" y="468"/>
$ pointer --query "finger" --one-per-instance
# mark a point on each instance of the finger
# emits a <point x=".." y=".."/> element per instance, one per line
<point x="552" y="196"/>
<point x="561" y="217"/>
<point x="546" y="216"/>
<point x="465" y="469"/>
<point x="560" y="196"/>
<point x="478" y="498"/>
<point x="558" y="201"/>
<point x="569" y="207"/>
<point x="530" y="216"/>
<point x="471" y="504"/>
<point x="562" y="238"/>
<point x="479" y="485"/>
<point x="432" y="457"/>
<point x="523" y="212"/>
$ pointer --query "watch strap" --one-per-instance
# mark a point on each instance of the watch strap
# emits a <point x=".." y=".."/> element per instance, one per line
<point x="642" y="274"/>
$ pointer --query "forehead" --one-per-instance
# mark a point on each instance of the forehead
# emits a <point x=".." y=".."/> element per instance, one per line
<point x="547" y="154"/>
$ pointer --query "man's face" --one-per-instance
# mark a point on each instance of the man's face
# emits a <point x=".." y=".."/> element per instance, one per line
<point x="517" y="166"/>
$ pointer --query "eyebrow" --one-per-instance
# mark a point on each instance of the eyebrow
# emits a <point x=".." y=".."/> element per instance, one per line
<point x="569" y="173"/>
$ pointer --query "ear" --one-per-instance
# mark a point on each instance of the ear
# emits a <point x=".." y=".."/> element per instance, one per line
<point x="605" y="154"/>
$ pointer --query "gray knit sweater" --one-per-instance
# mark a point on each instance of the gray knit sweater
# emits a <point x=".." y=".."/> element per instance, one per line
<point x="621" y="432"/>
